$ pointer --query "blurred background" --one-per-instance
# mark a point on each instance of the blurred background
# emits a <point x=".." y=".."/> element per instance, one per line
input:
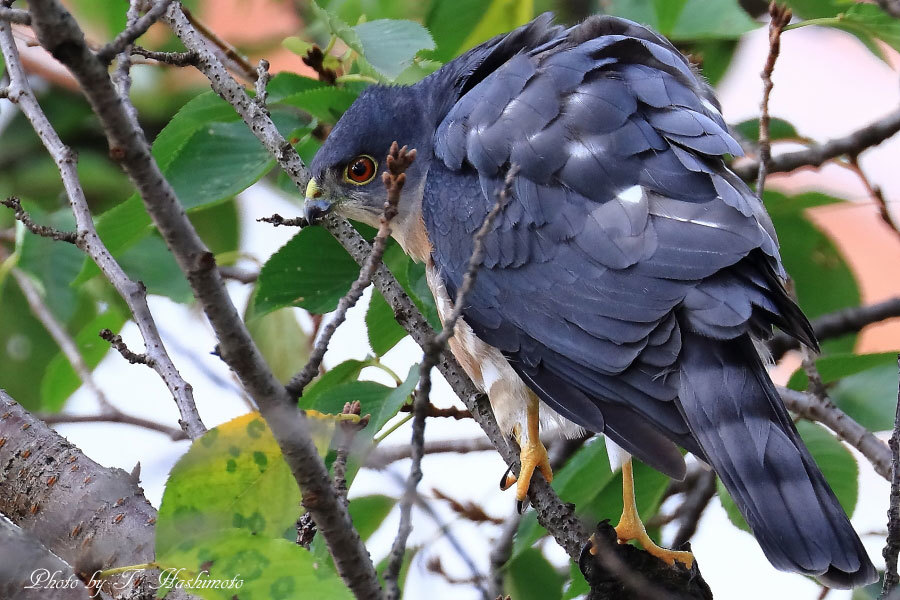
<point x="828" y="82"/>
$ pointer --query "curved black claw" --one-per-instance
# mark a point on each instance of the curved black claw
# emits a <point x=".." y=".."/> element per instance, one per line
<point x="503" y="484"/>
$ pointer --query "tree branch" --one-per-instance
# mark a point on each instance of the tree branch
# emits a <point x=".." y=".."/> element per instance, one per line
<point x="780" y="17"/>
<point x="810" y="407"/>
<point x="892" y="544"/>
<point x="132" y="32"/>
<point x="59" y="334"/>
<point x="87" y="240"/>
<point x="58" y="32"/>
<point x="113" y="417"/>
<point x="42" y="230"/>
<point x="817" y="154"/>
<point x="838" y="323"/>
<point x="92" y="517"/>
<point x="380" y="458"/>
<point x="13" y="15"/>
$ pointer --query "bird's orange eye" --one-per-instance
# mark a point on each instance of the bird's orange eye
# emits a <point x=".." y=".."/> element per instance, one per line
<point x="360" y="170"/>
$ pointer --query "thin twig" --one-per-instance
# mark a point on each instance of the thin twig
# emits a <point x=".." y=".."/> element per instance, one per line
<point x="421" y="402"/>
<point x="116" y="342"/>
<point x="262" y="80"/>
<point x="115" y="416"/>
<point x="228" y="51"/>
<point x="177" y="59"/>
<point x="346" y="431"/>
<point x="277" y="220"/>
<point x="850" y="145"/>
<point x="875" y="192"/>
<point x="62" y="338"/>
<point x="382" y="457"/>
<point x="42" y="230"/>
<point x="891" y="7"/>
<point x="838" y="323"/>
<point x="122" y="73"/>
<point x="87" y="239"/>
<point x="692" y="507"/>
<point x="315" y="59"/>
<point x="780" y="17"/>
<point x="892" y="544"/>
<point x="451" y="412"/>
<point x="238" y="274"/>
<point x="135" y="29"/>
<point x="812" y="408"/>
<point x="398" y="161"/>
<point x="467" y="509"/>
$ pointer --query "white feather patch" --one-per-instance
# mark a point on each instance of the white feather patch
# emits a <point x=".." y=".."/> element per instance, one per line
<point x="632" y="195"/>
<point x="617" y="455"/>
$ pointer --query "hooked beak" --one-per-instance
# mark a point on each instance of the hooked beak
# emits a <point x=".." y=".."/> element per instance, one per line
<point x="315" y="206"/>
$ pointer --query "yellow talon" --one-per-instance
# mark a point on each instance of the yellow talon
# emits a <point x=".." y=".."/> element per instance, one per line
<point x="630" y="526"/>
<point x="532" y="454"/>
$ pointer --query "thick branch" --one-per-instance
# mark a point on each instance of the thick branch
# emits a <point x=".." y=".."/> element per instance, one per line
<point x="60" y="35"/>
<point x="26" y="563"/>
<point x="817" y="154"/>
<point x="838" y="323"/>
<point x="87" y="240"/>
<point x="90" y="516"/>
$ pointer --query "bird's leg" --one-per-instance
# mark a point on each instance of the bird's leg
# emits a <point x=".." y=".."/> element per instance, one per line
<point x="630" y="526"/>
<point x="532" y="453"/>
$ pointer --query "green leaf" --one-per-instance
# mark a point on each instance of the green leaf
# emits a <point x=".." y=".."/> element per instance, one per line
<point x="577" y="585"/>
<point x="380" y="401"/>
<point x="871" y="591"/>
<point x="390" y="45"/>
<point x="458" y="25"/>
<point x="149" y="260"/>
<point x="384" y="331"/>
<point x="25" y="347"/>
<point x="311" y="271"/>
<point x="286" y="84"/>
<point x="821" y="276"/>
<point x="530" y="576"/>
<point x="326" y="104"/>
<point x="54" y="265"/>
<point x="868" y="20"/>
<point x="233" y="477"/>
<point x="207" y="155"/>
<point x="835" y="461"/>
<point x="282" y="342"/>
<point x="714" y="56"/>
<point x="60" y="380"/>
<point x="418" y="290"/>
<point x="219" y="227"/>
<point x="275" y="569"/>
<point x="369" y="512"/>
<point x="682" y="20"/>
<point x="779" y="129"/>
<point x="864" y="386"/>
<point x="348" y="370"/>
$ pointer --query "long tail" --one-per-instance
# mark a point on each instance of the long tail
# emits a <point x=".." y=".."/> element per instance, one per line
<point x="735" y="413"/>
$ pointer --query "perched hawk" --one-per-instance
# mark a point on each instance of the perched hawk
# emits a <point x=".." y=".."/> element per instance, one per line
<point x="627" y="278"/>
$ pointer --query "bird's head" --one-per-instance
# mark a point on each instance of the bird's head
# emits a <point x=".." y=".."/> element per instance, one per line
<point x="347" y="170"/>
